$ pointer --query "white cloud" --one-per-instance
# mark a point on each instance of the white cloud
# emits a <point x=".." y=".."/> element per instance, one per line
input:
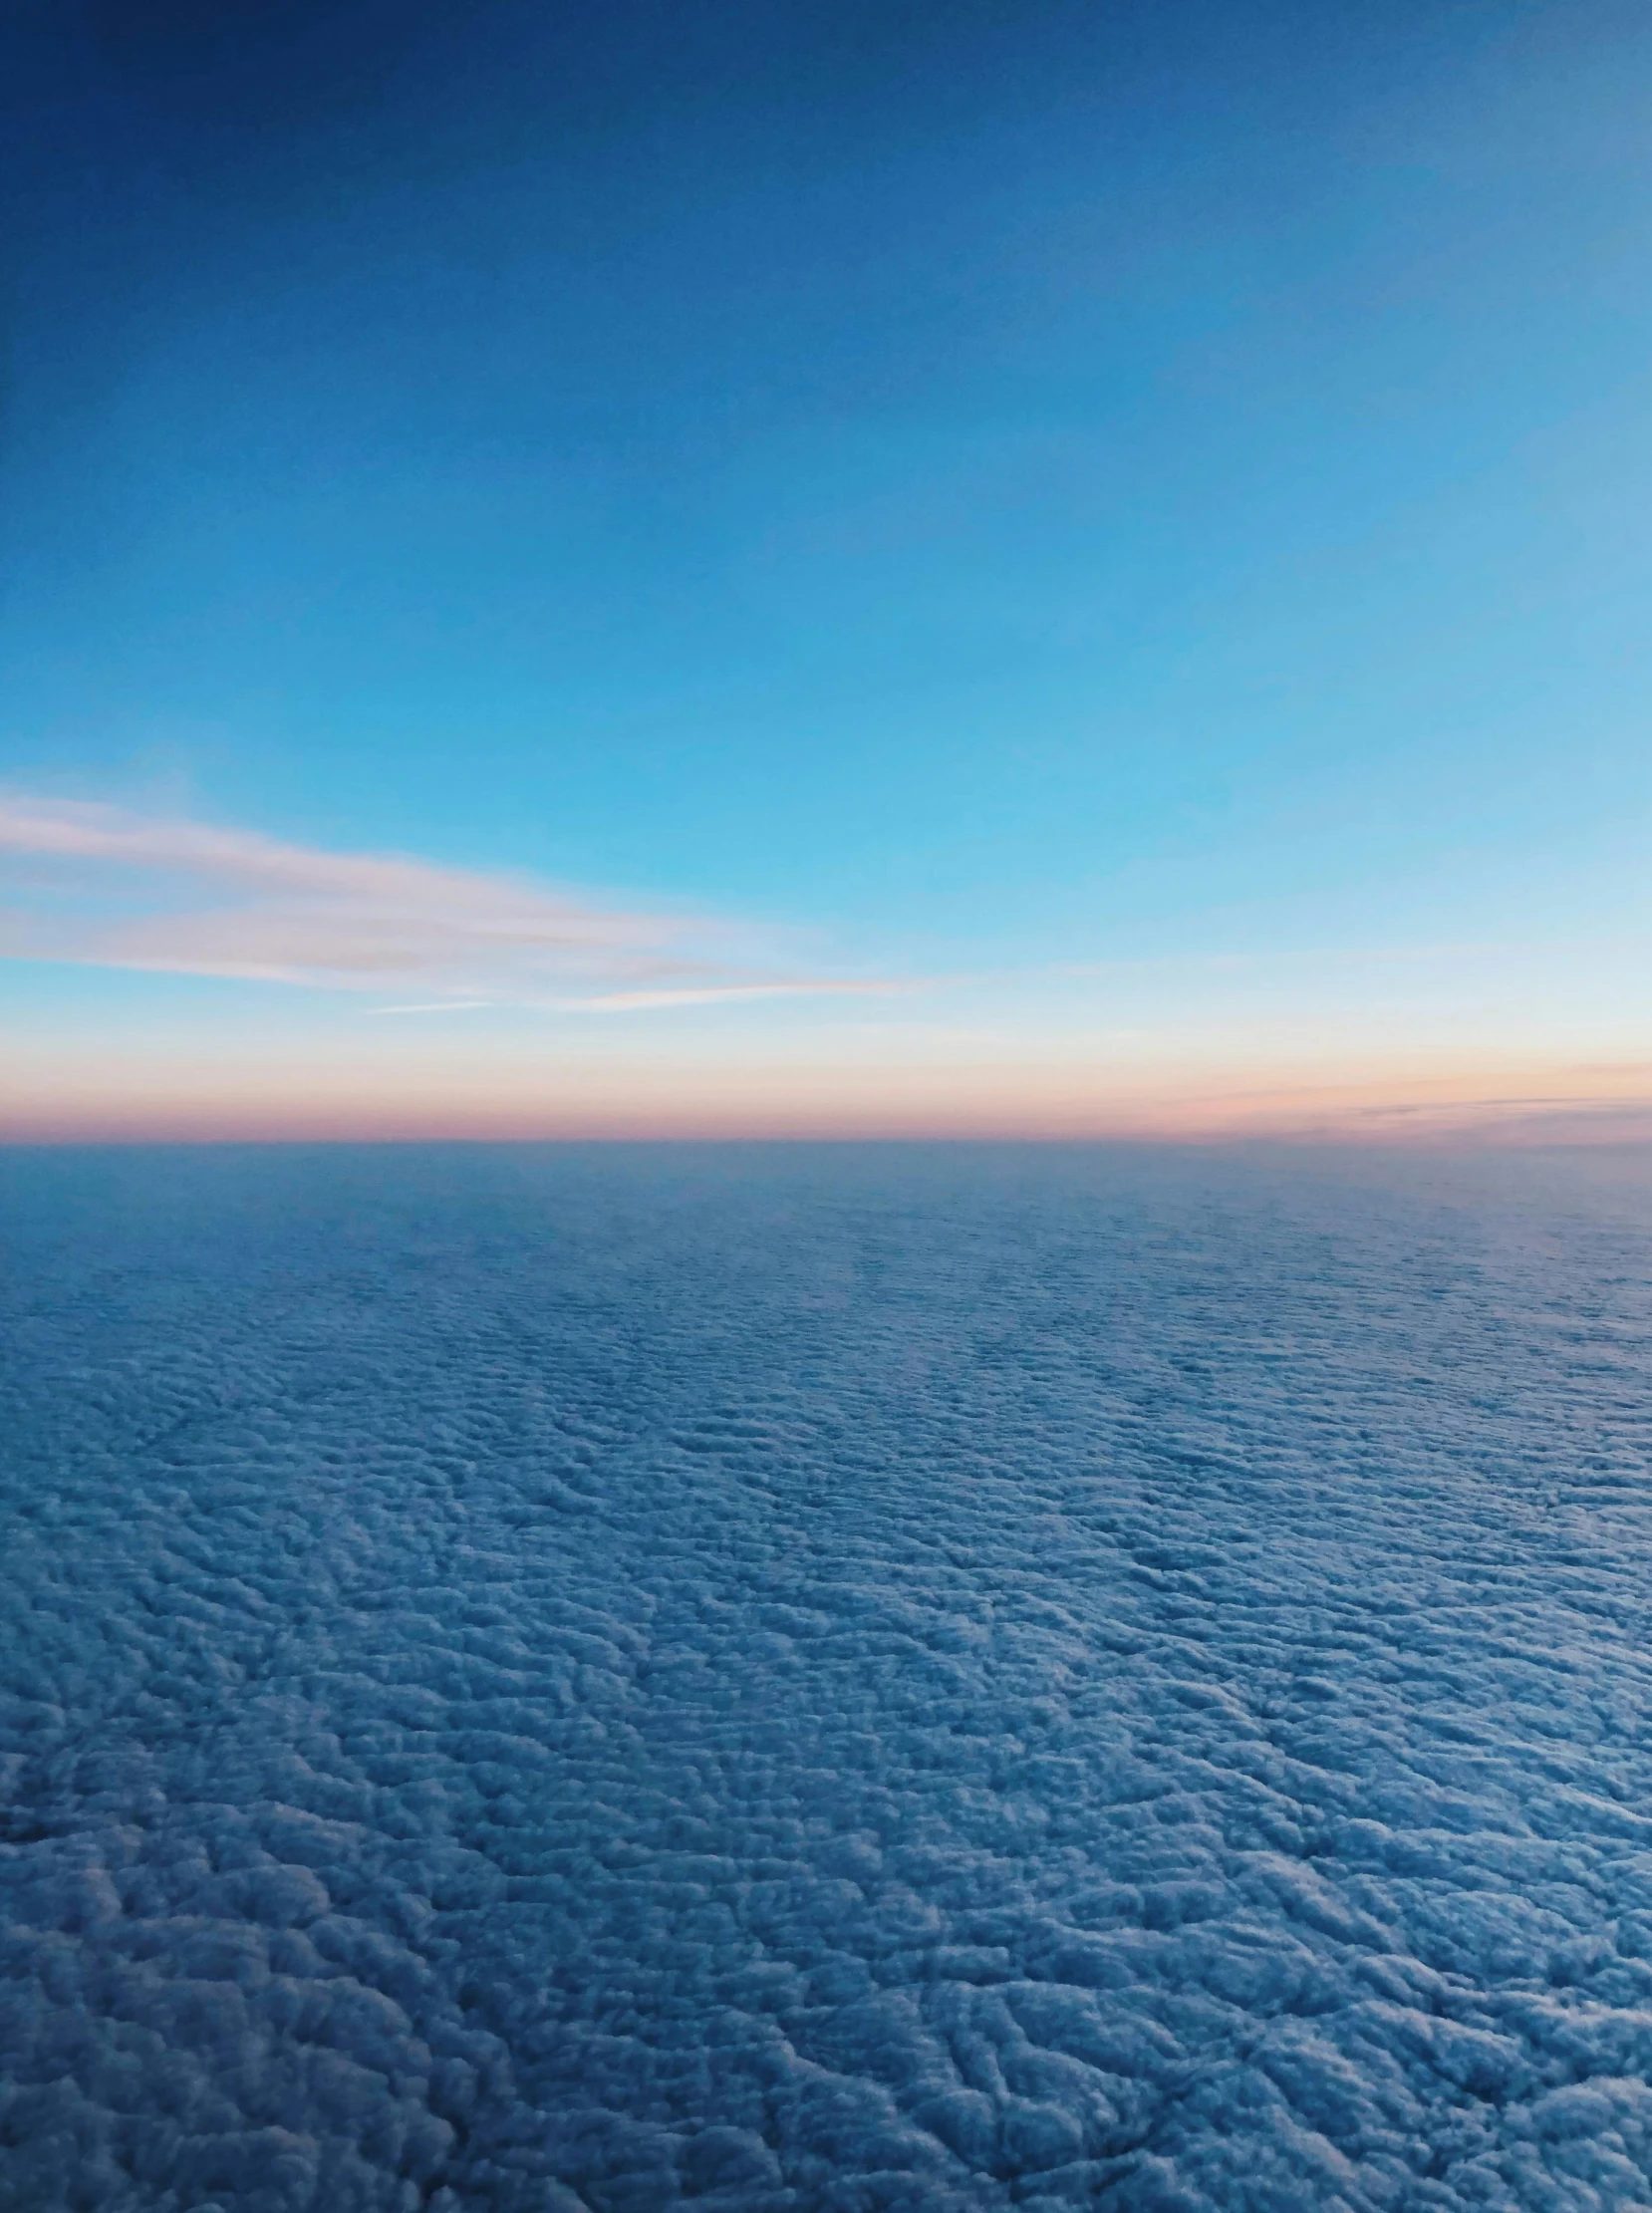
<point x="631" y="1002"/>
<point x="104" y="886"/>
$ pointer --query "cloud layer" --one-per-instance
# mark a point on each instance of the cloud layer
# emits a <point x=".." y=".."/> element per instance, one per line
<point x="828" y="1683"/>
<point x="102" y="885"/>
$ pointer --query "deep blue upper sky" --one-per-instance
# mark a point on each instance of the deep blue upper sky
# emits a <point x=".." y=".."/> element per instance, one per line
<point x="979" y="484"/>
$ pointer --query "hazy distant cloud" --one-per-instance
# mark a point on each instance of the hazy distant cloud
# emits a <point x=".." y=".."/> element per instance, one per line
<point x="107" y="887"/>
<point x="634" y="1003"/>
<point x="626" y="1003"/>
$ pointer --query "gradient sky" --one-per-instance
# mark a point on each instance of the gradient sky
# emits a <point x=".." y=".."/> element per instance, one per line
<point x="825" y="567"/>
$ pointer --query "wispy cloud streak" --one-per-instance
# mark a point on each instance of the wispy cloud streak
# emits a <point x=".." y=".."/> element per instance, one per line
<point x="108" y="887"/>
<point x="632" y="1002"/>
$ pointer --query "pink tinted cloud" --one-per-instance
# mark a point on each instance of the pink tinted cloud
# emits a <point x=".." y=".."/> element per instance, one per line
<point x="102" y="886"/>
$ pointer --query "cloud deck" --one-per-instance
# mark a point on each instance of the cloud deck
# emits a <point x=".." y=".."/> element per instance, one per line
<point x="824" y="1680"/>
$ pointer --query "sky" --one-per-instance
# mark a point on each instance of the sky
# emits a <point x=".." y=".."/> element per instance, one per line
<point x="825" y="569"/>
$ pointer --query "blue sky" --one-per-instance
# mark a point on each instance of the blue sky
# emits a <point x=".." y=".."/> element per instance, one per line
<point x="1117" y="524"/>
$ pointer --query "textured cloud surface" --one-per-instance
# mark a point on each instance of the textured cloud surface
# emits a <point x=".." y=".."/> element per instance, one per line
<point x="845" y="1680"/>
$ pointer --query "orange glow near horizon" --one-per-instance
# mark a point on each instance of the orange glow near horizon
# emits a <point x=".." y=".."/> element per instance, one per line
<point x="305" y="1103"/>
